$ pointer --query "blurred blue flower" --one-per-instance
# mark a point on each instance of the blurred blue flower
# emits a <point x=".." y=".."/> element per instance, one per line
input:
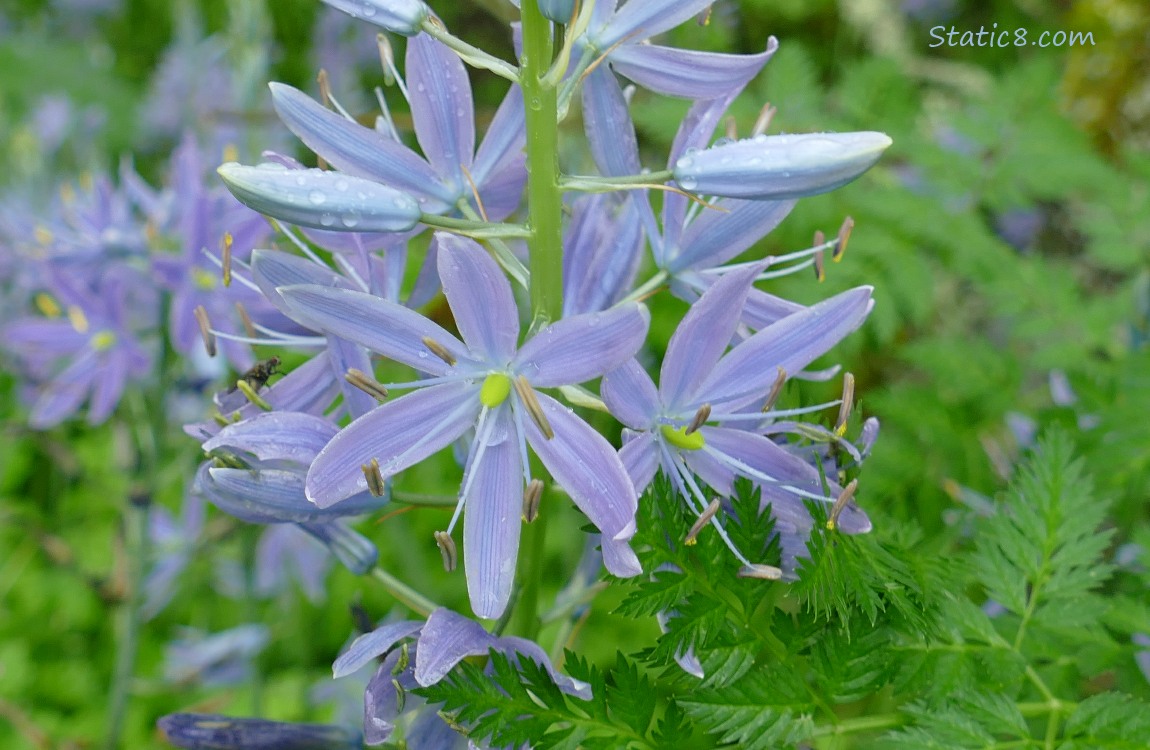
<point x="223" y="658"/>
<point x="216" y="732"/>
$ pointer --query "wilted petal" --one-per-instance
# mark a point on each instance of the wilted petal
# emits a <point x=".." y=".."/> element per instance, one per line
<point x="447" y="638"/>
<point x="398" y="434"/>
<point x="641" y="20"/>
<point x="747" y="371"/>
<point x="397" y="16"/>
<point x="217" y="732"/>
<point x="441" y="107"/>
<point x="356" y="150"/>
<point x="703" y="335"/>
<point x="321" y="199"/>
<point x="480" y="297"/>
<point x="491" y="520"/>
<point x="583" y="347"/>
<point x="688" y="73"/>
<point x="382" y="326"/>
<point x="588" y="468"/>
<point x="371" y="645"/>
<point x="630" y="395"/>
<point x="777" y="167"/>
<point x="717" y="235"/>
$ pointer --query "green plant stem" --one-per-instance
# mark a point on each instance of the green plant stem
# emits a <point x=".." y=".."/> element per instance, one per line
<point x="525" y="620"/>
<point x="137" y="549"/>
<point x="545" y="200"/>
<point x="403" y="593"/>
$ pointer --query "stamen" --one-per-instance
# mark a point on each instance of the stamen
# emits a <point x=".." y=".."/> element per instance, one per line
<point x="701" y="416"/>
<point x="220" y="419"/>
<point x="400" y="695"/>
<point x="103" y="340"/>
<point x="46" y="305"/>
<point x="474" y="191"/>
<point x="776" y="390"/>
<point x="403" y="660"/>
<point x="206" y="330"/>
<point x="840" y="503"/>
<point x="375" y="483"/>
<point x="324" y="87"/>
<point x="841" y="240"/>
<point x="847" y="404"/>
<point x="438" y="350"/>
<point x="704" y="518"/>
<point x="231" y="153"/>
<point x="77" y="318"/>
<point x="447" y="550"/>
<point x="531" y="403"/>
<point x="251" y="395"/>
<point x="43" y="235"/>
<point x="731" y="127"/>
<point x="820" y="267"/>
<point x="386" y="58"/>
<point x="226" y="258"/>
<point x="531" y="497"/>
<point x="366" y="383"/>
<point x="766" y="114"/>
<point x="245" y="319"/>
<point x="762" y="572"/>
<point x="705" y="17"/>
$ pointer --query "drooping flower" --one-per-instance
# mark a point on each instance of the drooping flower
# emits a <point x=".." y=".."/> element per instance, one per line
<point x="483" y="382"/>
<point x="217" y="732"/>
<point x="433" y="648"/>
<point x="701" y="384"/>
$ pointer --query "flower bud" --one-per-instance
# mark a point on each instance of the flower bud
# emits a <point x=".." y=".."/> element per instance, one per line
<point x="321" y="199"/>
<point x="397" y="16"/>
<point x="778" y="167"/>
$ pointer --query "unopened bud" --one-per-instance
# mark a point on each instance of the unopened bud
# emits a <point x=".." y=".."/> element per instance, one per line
<point x="447" y="550"/>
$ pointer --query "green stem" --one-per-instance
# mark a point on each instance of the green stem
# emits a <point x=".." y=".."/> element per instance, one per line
<point x="647" y="287"/>
<point x="468" y="53"/>
<point x="545" y="200"/>
<point x="406" y="595"/>
<point x="525" y="620"/>
<point x="136" y="552"/>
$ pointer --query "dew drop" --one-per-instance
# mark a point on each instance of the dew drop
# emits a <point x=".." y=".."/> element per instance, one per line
<point x="301" y="181"/>
<point x="327" y="220"/>
<point x="317" y="197"/>
<point x="341" y="185"/>
<point x="688" y="183"/>
<point x="350" y="219"/>
<point x="368" y="10"/>
<point x="422" y="354"/>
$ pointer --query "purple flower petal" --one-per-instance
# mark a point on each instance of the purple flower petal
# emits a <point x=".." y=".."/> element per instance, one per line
<point x="602" y="249"/>
<point x="344" y="356"/>
<point x="589" y="469"/>
<point x="63" y="395"/>
<point x="398" y="434"/>
<point x="357" y="150"/>
<point x="441" y="107"/>
<point x="372" y="645"/>
<point x="385" y="327"/>
<point x="499" y="169"/>
<point x="747" y="371"/>
<point x="607" y="122"/>
<point x="630" y="395"/>
<point x="688" y="73"/>
<point x="216" y="732"/>
<point x="716" y="236"/>
<point x="583" y="347"/>
<point x="274" y="496"/>
<point x="703" y="335"/>
<point x="277" y="436"/>
<point x="272" y="269"/>
<point x="402" y="17"/>
<point x="480" y="297"/>
<point x="355" y="551"/>
<point x="517" y="648"/>
<point x="491" y="520"/>
<point x="110" y="378"/>
<point x="641" y="460"/>
<point x="642" y="19"/>
<point x="447" y="638"/>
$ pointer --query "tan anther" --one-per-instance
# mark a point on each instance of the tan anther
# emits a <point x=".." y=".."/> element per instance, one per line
<point x="703" y="519"/>
<point x="841" y="502"/>
<point x="531" y="403"/>
<point x="447" y="550"/>
<point x="776" y="390"/>
<point x="438" y="350"/>
<point x="366" y="383"/>
<point x="701" y="417"/>
<point x="245" y="319"/>
<point x="762" y="572"/>
<point x="731" y="127"/>
<point x="532" y="495"/>
<point x="766" y="114"/>
<point x="841" y="241"/>
<point x="820" y="265"/>
<point x="375" y="483"/>
<point x="206" y="330"/>
<point x="847" y="404"/>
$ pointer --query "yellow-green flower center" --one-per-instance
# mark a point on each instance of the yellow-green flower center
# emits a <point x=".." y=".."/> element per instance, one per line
<point x="678" y="437"/>
<point x="103" y="340"/>
<point x="495" y="390"/>
<point x="203" y="279"/>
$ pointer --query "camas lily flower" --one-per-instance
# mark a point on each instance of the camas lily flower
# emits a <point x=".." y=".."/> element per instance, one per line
<point x="483" y="382"/>
<point x="451" y="171"/>
<point x="216" y="732"/>
<point x="699" y="383"/>
<point x="428" y="652"/>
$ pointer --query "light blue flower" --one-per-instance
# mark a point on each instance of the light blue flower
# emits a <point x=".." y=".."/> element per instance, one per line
<point x="486" y="383"/>
<point x="217" y="732"/>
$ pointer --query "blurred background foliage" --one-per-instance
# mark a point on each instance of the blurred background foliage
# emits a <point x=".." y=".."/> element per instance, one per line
<point x="1006" y="233"/>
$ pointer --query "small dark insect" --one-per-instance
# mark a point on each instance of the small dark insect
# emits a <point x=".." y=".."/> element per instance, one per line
<point x="257" y="376"/>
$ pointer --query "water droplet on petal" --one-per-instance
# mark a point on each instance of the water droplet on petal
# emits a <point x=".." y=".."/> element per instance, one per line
<point x="350" y="219"/>
<point x="327" y="220"/>
<point x="317" y="197"/>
